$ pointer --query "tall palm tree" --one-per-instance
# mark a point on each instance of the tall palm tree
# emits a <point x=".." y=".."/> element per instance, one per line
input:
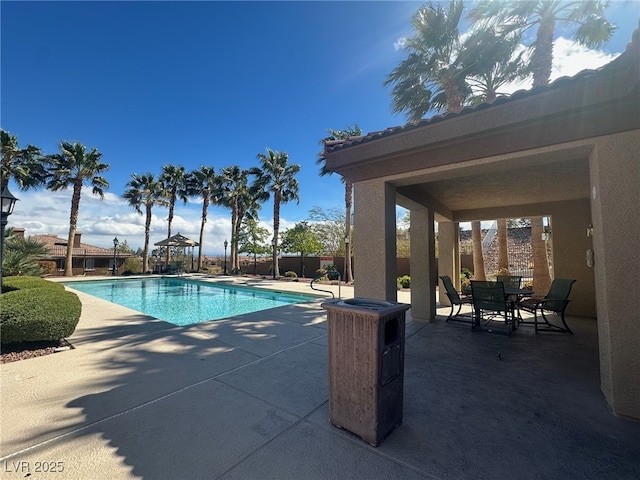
<point x="74" y="166"/>
<point x="204" y="183"/>
<point x="144" y="190"/>
<point x="277" y="177"/>
<point x="432" y="76"/>
<point x="348" y="189"/>
<point x="478" y="257"/>
<point x="26" y="166"/>
<point x="592" y="28"/>
<point x="173" y="179"/>
<point x="243" y="198"/>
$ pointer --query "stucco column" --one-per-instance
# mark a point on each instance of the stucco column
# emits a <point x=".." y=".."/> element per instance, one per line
<point x="448" y="256"/>
<point x="614" y="167"/>
<point x="423" y="265"/>
<point x="374" y="234"/>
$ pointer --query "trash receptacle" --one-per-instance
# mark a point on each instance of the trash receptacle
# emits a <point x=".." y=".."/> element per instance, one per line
<point x="366" y="365"/>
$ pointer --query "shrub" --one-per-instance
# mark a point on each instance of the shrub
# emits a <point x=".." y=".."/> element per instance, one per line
<point x="404" y="282"/>
<point x="291" y="274"/>
<point x="132" y="266"/>
<point x="25" y="283"/>
<point x="321" y="272"/>
<point x="39" y="314"/>
<point x="48" y="266"/>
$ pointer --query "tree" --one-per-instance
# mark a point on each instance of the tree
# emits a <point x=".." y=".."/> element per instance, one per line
<point x="329" y="227"/>
<point x="21" y="255"/>
<point x="592" y="28"/>
<point x="25" y="166"/>
<point x="74" y="166"/>
<point x="243" y="198"/>
<point x="503" y="250"/>
<point x="348" y="189"/>
<point x="277" y="177"/>
<point x="478" y="257"/>
<point x="301" y="239"/>
<point x="144" y="190"/>
<point x="252" y="239"/>
<point x="432" y="76"/>
<point x="173" y="180"/>
<point x="204" y="183"/>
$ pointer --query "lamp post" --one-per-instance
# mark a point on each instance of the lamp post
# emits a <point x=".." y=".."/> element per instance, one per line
<point x="347" y="257"/>
<point x="8" y="202"/>
<point x="226" y="244"/>
<point x="115" y="255"/>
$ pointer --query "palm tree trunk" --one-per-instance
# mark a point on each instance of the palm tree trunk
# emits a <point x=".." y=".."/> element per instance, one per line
<point x="541" y="274"/>
<point x="478" y="258"/>
<point x="73" y="223"/>
<point x="542" y="57"/>
<point x="503" y="254"/>
<point x="234" y="221"/>
<point x="348" y="197"/>
<point x="205" y="206"/>
<point x="147" y="232"/>
<point x="276" y="229"/>
<point x="169" y="220"/>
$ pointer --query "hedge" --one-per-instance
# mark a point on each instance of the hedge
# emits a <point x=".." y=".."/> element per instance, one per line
<point x="48" y="313"/>
<point x="23" y="283"/>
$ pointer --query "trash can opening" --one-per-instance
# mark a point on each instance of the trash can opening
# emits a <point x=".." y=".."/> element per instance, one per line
<point x="391" y="331"/>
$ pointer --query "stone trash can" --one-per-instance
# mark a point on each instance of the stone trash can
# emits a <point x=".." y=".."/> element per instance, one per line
<point x="366" y="365"/>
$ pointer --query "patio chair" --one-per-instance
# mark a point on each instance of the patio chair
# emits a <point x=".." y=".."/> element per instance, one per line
<point x="490" y="304"/>
<point x="510" y="281"/>
<point x="457" y="299"/>
<point x="556" y="300"/>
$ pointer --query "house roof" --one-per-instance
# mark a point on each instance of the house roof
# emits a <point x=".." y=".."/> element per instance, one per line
<point x="621" y="62"/>
<point x="58" y="248"/>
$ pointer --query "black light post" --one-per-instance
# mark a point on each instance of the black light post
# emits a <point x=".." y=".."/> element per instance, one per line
<point x="115" y="255"/>
<point x="225" y="256"/>
<point x="347" y="257"/>
<point x="8" y="202"/>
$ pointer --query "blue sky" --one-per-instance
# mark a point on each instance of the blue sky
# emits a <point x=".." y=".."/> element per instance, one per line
<point x="205" y="83"/>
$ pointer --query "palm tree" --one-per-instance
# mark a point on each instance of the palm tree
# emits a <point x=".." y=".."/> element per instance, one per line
<point x="432" y="77"/>
<point x="173" y="179"/>
<point x="204" y="183"/>
<point x="478" y="257"/>
<point x="21" y="255"/>
<point x="74" y="166"/>
<point x="25" y="166"/>
<point x="592" y="28"/>
<point x="243" y="198"/>
<point x="144" y="190"/>
<point x="277" y="176"/>
<point x="348" y="189"/>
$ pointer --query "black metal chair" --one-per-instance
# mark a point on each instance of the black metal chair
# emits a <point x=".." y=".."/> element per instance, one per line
<point x="555" y="301"/>
<point x="510" y="281"/>
<point x="457" y="299"/>
<point x="491" y="305"/>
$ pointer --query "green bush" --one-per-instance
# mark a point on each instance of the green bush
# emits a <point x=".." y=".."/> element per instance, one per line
<point x="132" y="266"/>
<point x="43" y="314"/>
<point x="291" y="274"/>
<point x="404" y="282"/>
<point x="25" y="283"/>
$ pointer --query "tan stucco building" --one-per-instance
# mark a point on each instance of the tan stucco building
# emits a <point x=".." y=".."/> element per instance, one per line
<point x="569" y="150"/>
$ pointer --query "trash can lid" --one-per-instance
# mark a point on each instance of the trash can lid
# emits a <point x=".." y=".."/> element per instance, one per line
<point x="366" y="303"/>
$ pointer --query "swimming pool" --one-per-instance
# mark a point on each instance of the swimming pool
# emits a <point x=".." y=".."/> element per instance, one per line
<point x="185" y="302"/>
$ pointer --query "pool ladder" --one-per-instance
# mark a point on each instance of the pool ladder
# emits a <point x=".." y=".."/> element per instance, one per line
<point x="333" y="273"/>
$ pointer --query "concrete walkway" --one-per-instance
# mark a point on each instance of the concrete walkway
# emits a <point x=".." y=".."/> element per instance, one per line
<point x="246" y="398"/>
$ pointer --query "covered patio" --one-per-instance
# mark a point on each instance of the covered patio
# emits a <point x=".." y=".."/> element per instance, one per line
<point x="570" y="151"/>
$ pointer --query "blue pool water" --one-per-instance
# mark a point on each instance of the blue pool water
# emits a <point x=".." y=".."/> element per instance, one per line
<point x="185" y="302"/>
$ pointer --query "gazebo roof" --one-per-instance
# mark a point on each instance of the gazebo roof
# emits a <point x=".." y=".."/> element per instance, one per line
<point x="177" y="241"/>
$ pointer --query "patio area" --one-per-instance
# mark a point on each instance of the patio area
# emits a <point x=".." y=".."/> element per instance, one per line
<point x="246" y="398"/>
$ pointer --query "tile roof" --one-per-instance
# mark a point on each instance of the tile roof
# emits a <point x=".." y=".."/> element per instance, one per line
<point x="631" y="49"/>
<point x="58" y="248"/>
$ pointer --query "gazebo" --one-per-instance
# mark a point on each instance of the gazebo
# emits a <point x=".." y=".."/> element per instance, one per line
<point x="178" y="241"/>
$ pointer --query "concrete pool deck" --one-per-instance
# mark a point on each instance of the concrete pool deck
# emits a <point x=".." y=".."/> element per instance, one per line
<point x="246" y="398"/>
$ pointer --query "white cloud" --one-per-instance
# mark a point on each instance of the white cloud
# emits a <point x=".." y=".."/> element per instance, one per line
<point x="400" y="43"/>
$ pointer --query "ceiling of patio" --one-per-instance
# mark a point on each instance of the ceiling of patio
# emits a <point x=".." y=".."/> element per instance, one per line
<point x="485" y="185"/>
